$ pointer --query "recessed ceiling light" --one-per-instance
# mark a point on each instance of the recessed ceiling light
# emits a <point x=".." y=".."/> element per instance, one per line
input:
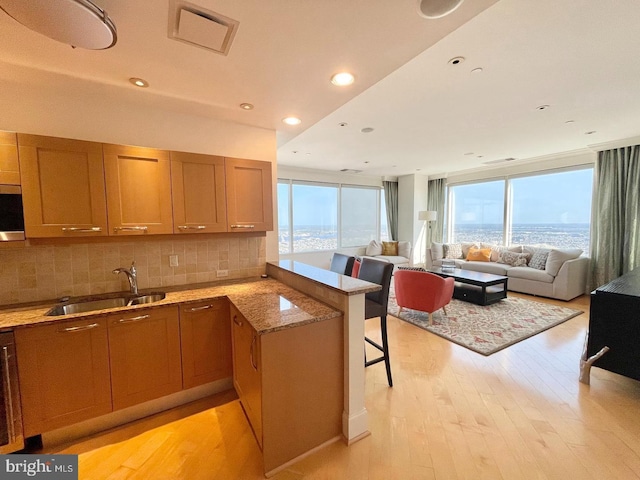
<point x="343" y="124"/>
<point x="292" y="120"/>
<point x="476" y="70"/>
<point x="591" y="132"/>
<point x="342" y="79"/>
<point x="480" y="156"/>
<point x="456" y="61"/>
<point x="139" y="82"/>
<point x="246" y="106"/>
<point x="367" y="130"/>
<point x="469" y="153"/>
<point x="433" y="10"/>
<point x="542" y="107"/>
<point x="308" y="153"/>
<point x="294" y="151"/>
<point x="366" y="161"/>
<point x="570" y="121"/>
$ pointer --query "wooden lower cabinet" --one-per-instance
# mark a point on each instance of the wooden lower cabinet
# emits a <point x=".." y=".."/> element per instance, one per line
<point x="290" y="384"/>
<point x="205" y="336"/>
<point x="63" y="373"/>
<point x="144" y="348"/>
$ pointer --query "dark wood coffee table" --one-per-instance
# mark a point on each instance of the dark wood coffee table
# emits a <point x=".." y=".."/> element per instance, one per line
<point x="475" y="287"/>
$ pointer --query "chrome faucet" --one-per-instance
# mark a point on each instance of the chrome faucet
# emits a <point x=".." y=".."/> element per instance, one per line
<point x="131" y="274"/>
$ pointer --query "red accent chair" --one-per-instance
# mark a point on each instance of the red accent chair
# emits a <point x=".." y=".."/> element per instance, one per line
<point x="422" y="291"/>
<point x="356" y="268"/>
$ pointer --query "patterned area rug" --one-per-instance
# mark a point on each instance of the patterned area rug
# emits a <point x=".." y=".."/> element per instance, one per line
<point x="486" y="330"/>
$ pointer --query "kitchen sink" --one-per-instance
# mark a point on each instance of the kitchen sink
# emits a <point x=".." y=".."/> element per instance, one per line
<point x="98" y="303"/>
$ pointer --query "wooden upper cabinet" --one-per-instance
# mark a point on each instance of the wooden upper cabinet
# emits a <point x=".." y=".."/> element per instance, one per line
<point x="63" y="189"/>
<point x="9" y="167"/>
<point x="198" y="191"/>
<point x="138" y="190"/>
<point x="249" y="195"/>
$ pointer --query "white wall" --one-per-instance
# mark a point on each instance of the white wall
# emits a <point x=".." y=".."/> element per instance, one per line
<point x="412" y="197"/>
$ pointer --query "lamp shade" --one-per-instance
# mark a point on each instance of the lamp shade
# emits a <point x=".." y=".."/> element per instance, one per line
<point x="428" y="215"/>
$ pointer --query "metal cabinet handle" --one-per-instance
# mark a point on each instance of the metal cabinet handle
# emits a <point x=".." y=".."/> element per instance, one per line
<point x="142" y="228"/>
<point x="197" y="309"/>
<point x="9" y="395"/>
<point x="253" y="343"/>
<point x="192" y="227"/>
<point x="132" y="319"/>
<point x="236" y="321"/>
<point x="78" y="328"/>
<point x="243" y="226"/>
<point x="81" y="230"/>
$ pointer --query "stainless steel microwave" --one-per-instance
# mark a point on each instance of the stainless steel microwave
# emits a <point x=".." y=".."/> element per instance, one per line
<point x="11" y="215"/>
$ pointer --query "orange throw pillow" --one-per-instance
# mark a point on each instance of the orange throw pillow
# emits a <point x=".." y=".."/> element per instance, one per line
<point x="479" y="254"/>
<point x="390" y="248"/>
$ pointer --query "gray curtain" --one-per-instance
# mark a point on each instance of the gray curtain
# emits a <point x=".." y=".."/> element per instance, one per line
<point x="391" y="200"/>
<point x="435" y="202"/>
<point x="615" y="225"/>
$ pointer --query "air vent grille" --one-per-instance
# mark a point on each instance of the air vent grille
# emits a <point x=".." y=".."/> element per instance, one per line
<point x="203" y="28"/>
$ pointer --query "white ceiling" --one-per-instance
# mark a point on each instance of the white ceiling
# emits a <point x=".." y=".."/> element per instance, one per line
<point x="578" y="56"/>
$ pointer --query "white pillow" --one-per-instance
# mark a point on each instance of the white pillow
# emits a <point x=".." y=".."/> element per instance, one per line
<point x="437" y="251"/>
<point x="374" y="248"/>
<point x="557" y="257"/>
<point x="404" y="249"/>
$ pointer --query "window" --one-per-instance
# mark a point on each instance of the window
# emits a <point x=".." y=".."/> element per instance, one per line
<point x="359" y="216"/>
<point x="321" y="216"/>
<point x="384" y="224"/>
<point x="477" y="212"/>
<point x="551" y="208"/>
<point x="554" y="209"/>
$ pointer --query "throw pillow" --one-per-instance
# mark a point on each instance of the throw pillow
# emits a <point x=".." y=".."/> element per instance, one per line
<point x="452" y="250"/>
<point x="437" y="251"/>
<point x="512" y="258"/>
<point x="390" y="248"/>
<point x="466" y="247"/>
<point x="539" y="258"/>
<point x="479" y="254"/>
<point x="374" y="248"/>
<point x="556" y="259"/>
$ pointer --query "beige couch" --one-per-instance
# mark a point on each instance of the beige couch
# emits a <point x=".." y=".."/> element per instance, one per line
<point x="563" y="275"/>
<point x="374" y="250"/>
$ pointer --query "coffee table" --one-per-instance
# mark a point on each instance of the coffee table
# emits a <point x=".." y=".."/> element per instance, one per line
<point x="475" y="287"/>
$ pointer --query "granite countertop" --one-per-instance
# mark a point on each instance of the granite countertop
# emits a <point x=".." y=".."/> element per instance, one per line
<point x="267" y="304"/>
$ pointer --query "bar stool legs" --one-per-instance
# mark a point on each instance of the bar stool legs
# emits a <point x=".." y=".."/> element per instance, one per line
<point x="384" y="348"/>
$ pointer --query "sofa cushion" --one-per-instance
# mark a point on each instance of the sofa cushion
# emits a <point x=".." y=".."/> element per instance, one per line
<point x="539" y="258"/>
<point x="487" y="267"/>
<point x="557" y="257"/>
<point x="404" y="249"/>
<point x="437" y="251"/>
<point x="496" y="249"/>
<point x="479" y="254"/>
<point x="466" y="246"/>
<point x="513" y="259"/>
<point x="395" y="259"/>
<point x="374" y="248"/>
<point x="528" y="273"/>
<point x="390" y="248"/>
<point x="452" y="250"/>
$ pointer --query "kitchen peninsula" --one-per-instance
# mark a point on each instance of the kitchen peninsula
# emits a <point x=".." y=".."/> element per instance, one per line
<point x="290" y="363"/>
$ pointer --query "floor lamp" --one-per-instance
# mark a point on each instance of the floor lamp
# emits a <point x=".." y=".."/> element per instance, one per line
<point x="427" y="216"/>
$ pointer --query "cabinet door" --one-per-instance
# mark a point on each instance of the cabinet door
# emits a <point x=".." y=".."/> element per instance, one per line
<point x="9" y="167"/>
<point x="249" y="195"/>
<point x="62" y="187"/>
<point x="144" y="347"/>
<point x="138" y="190"/>
<point x="246" y="370"/>
<point x="205" y="336"/>
<point x="197" y="187"/>
<point x="64" y="373"/>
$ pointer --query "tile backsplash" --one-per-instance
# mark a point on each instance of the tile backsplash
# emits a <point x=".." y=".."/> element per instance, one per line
<point x="45" y="272"/>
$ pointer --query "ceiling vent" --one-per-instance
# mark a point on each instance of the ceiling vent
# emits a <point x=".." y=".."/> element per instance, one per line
<point x="350" y="170"/>
<point x="203" y="28"/>
<point x="501" y="160"/>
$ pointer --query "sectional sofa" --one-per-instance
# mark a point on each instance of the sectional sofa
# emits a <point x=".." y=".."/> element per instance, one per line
<point x="537" y="270"/>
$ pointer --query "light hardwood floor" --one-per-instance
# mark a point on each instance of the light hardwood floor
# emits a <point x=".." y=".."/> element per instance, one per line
<point x="452" y="414"/>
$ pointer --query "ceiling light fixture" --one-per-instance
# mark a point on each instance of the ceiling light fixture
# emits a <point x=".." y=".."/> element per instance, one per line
<point x="570" y="121"/>
<point x="477" y="70"/>
<point x="433" y="9"/>
<point x="342" y="79"/>
<point x="367" y="130"/>
<point x="542" y="107"/>
<point x="79" y="23"/>
<point x="456" y="61"/>
<point x="292" y="120"/>
<point x="246" y="106"/>
<point x="343" y="124"/>
<point x="139" y="82"/>
<point x="591" y="132"/>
